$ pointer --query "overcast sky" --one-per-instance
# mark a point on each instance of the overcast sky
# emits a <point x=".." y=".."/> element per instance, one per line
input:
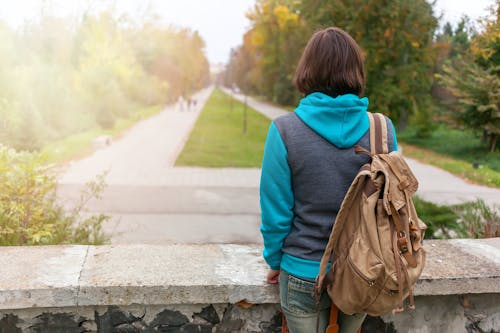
<point x="220" y="22"/>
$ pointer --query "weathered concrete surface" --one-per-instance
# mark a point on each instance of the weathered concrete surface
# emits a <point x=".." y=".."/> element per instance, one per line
<point x="219" y="273"/>
<point x="200" y="288"/>
<point x="457" y="267"/>
<point x="180" y="274"/>
<point x="40" y="276"/>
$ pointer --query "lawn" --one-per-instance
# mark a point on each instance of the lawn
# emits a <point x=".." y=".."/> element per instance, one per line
<point x="454" y="150"/>
<point x="217" y="139"/>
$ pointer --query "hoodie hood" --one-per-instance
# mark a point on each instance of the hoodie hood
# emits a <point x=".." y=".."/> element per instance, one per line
<point x="341" y="120"/>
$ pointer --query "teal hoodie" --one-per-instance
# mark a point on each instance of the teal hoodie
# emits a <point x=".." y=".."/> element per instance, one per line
<point x="342" y="121"/>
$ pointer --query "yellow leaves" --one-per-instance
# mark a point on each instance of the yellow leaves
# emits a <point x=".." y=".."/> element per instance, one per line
<point x="40" y="235"/>
<point x="485" y="45"/>
<point x="284" y="16"/>
<point x="415" y="44"/>
<point x="388" y="33"/>
<point x="258" y="38"/>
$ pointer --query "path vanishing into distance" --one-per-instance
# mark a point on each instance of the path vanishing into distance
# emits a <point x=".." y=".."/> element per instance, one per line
<point x="152" y="201"/>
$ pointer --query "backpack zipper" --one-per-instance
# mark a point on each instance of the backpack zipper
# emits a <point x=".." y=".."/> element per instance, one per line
<point x="370" y="283"/>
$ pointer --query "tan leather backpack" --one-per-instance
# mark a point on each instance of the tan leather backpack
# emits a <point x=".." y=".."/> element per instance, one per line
<point x="375" y="248"/>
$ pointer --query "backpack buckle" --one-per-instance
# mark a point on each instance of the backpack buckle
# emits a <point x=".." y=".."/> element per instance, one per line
<point x="402" y="242"/>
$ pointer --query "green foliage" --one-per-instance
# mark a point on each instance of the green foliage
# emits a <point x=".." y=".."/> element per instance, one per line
<point x="480" y="220"/>
<point x="396" y="37"/>
<point x="473" y="79"/>
<point x="478" y="93"/>
<point x="441" y="220"/>
<point x="469" y="220"/>
<point x="59" y="77"/>
<point x="217" y="140"/>
<point x="271" y="48"/>
<point x="29" y="212"/>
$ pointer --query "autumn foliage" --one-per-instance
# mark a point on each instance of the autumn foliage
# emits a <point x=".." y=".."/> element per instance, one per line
<point x="403" y="48"/>
<point x="60" y="77"/>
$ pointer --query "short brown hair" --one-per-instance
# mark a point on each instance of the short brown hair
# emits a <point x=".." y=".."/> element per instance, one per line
<point x="332" y="61"/>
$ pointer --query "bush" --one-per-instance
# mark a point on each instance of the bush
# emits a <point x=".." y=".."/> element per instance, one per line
<point x="480" y="220"/>
<point x="29" y="212"/>
<point x="441" y="220"/>
<point x="469" y="220"/>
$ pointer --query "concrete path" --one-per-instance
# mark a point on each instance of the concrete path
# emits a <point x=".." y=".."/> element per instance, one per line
<point x="151" y="201"/>
<point x="435" y="184"/>
<point x="143" y="154"/>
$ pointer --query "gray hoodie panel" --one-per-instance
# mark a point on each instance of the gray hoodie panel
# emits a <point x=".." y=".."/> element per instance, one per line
<point x="321" y="175"/>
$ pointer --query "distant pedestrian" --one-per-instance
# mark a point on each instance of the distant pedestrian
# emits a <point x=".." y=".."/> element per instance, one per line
<point x="180" y="103"/>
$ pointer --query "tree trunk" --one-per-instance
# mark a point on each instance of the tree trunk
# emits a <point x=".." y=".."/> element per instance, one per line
<point x="493" y="142"/>
<point x="485" y="136"/>
<point x="403" y="121"/>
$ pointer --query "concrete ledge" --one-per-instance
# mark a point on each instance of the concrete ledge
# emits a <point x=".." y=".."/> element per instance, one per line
<point x="74" y="276"/>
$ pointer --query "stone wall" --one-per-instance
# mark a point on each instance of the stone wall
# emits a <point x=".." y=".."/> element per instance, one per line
<point x="463" y="313"/>
<point x="223" y="318"/>
<point x="218" y="288"/>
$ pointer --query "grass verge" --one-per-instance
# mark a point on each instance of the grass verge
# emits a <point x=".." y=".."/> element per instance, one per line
<point x="456" y="151"/>
<point x="217" y="139"/>
<point x="80" y="145"/>
<point x="464" y="169"/>
<point x="461" y="144"/>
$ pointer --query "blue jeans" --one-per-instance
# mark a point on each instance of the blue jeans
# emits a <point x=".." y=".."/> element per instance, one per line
<point x="301" y="310"/>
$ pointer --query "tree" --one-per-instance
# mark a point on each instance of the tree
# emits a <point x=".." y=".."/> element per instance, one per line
<point x="474" y="80"/>
<point x="478" y="93"/>
<point x="278" y="35"/>
<point x="396" y="37"/>
<point x="242" y="68"/>
<point x="59" y="76"/>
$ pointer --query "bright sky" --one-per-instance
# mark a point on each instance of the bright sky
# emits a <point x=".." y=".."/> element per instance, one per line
<point x="221" y="23"/>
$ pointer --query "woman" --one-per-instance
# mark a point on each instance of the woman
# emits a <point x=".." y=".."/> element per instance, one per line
<point x="309" y="163"/>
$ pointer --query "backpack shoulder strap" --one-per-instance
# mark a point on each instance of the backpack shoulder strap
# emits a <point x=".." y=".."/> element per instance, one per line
<point x="378" y="134"/>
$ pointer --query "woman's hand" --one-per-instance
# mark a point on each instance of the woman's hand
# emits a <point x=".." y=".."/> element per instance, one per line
<point x="273" y="276"/>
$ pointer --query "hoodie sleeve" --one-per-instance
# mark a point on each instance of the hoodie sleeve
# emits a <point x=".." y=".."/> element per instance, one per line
<point x="276" y="197"/>
<point x="395" y="139"/>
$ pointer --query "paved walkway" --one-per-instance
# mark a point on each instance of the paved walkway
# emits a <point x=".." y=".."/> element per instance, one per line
<point x="151" y="201"/>
<point x="145" y="156"/>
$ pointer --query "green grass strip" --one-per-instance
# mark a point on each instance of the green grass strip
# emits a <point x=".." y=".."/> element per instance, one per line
<point x="464" y="169"/>
<point x="217" y="139"/>
<point x="460" y="144"/>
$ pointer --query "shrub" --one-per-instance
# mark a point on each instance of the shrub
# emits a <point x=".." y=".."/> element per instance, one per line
<point x="441" y="220"/>
<point x="471" y="219"/>
<point x="480" y="220"/>
<point x="29" y="212"/>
